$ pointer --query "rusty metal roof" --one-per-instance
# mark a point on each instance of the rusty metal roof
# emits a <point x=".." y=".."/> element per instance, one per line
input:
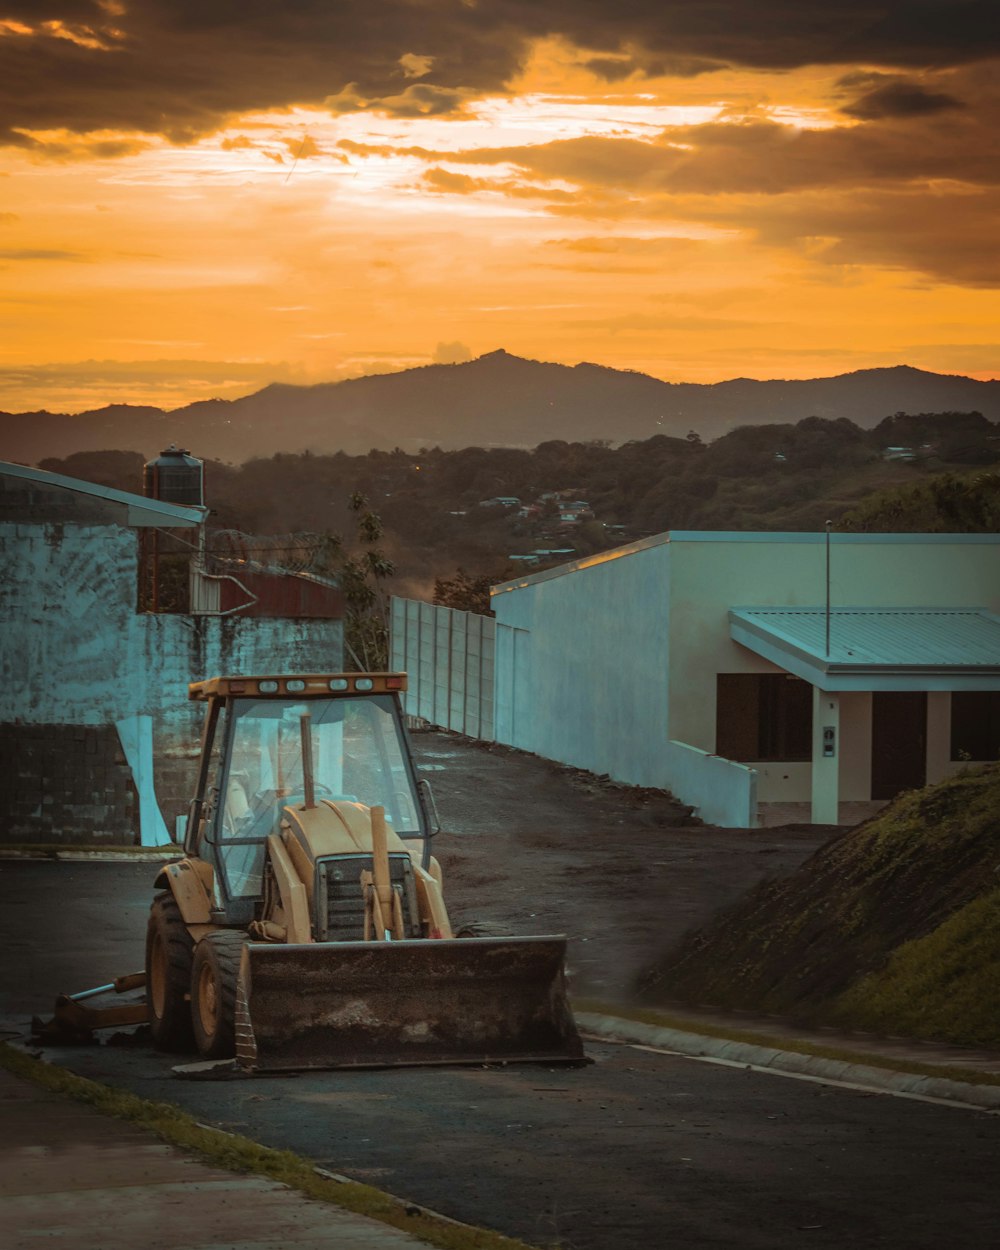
<point x="877" y="648"/>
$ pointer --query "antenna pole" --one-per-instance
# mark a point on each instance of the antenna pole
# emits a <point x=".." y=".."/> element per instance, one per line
<point x="829" y="525"/>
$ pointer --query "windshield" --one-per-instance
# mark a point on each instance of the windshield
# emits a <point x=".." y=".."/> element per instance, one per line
<point x="356" y="751"/>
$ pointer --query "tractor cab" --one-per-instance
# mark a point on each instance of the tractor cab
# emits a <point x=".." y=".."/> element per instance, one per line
<point x="273" y="743"/>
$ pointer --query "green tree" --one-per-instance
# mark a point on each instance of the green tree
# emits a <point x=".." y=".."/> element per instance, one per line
<point x="946" y="504"/>
<point x="468" y="593"/>
<point x="363" y="573"/>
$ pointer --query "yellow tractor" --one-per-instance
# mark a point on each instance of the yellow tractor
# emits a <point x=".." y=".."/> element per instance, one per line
<point x="306" y="926"/>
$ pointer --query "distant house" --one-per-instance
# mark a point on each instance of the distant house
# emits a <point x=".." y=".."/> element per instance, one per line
<point x="94" y="715"/>
<point x="501" y="501"/>
<point x="575" y="513"/>
<point x="898" y="453"/>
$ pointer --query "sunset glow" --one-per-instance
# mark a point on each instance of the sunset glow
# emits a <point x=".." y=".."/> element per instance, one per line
<point x="200" y="210"/>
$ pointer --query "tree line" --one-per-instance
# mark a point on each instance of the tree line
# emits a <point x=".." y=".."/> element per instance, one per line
<point x="433" y="526"/>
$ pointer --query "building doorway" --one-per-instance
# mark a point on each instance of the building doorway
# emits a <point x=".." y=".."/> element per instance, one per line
<point x="899" y="741"/>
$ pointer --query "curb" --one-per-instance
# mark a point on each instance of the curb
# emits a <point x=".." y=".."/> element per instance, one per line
<point x="791" y="1062"/>
<point x="245" y="1156"/>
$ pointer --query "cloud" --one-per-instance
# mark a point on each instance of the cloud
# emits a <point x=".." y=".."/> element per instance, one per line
<point x="41" y="253"/>
<point x="445" y="182"/>
<point x="182" y="69"/>
<point x="451" y="353"/>
<point x="76" y="386"/>
<point x="414" y="66"/>
<point x="900" y="99"/>
<point x="951" y="239"/>
<point x="64" y="145"/>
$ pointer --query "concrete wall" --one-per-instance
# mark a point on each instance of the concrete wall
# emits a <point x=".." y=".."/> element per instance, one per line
<point x="448" y="656"/>
<point x="587" y="677"/>
<point x="73" y="650"/>
<point x="721" y="792"/>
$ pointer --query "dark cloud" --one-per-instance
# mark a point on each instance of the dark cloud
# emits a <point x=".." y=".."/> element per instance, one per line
<point x="182" y="67"/>
<point x="914" y="194"/>
<point x="42" y="253"/>
<point x="448" y="183"/>
<point x="761" y="156"/>
<point x="900" y="99"/>
<point x="951" y="239"/>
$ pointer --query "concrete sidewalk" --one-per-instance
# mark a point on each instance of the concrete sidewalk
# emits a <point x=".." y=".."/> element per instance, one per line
<point x="72" y="1176"/>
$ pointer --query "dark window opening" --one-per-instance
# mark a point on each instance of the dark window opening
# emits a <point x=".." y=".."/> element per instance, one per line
<point x="975" y="725"/>
<point x="763" y="716"/>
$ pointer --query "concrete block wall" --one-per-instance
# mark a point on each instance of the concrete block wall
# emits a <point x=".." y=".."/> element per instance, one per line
<point x="449" y="656"/>
<point x="65" y="784"/>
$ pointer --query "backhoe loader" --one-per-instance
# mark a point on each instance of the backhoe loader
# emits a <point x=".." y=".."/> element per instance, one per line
<point x="306" y="925"/>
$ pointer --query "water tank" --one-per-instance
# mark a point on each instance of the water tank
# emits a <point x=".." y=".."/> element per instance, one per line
<point x="174" y="476"/>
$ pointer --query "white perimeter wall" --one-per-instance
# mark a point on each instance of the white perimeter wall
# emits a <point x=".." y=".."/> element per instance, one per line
<point x="582" y="666"/>
<point x="73" y="650"/>
<point x="448" y="656"/>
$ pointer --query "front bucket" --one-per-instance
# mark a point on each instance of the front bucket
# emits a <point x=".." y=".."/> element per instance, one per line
<point x="378" y="1004"/>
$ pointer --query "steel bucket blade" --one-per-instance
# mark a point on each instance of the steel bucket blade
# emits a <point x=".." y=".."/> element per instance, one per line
<point x="378" y="1004"/>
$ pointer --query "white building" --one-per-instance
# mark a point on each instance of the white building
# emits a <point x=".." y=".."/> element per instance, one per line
<point x="699" y="662"/>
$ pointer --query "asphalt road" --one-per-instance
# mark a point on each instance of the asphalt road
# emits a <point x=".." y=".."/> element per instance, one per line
<point x="636" y="1149"/>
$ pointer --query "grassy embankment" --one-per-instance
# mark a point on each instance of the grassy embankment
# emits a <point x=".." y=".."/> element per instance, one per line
<point x="892" y="927"/>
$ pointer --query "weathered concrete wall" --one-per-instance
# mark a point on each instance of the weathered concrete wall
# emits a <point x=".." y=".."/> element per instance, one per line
<point x="73" y="650"/>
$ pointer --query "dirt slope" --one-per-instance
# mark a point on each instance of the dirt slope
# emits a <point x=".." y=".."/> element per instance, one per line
<point x="894" y="926"/>
<point x="531" y="847"/>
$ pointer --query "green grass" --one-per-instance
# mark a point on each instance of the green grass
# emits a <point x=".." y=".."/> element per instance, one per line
<point x="891" y="927"/>
<point x="944" y="984"/>
<point x="240" y="1154"/>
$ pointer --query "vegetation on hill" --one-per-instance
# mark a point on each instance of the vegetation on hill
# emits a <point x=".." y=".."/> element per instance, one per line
<point x="892" y="927"/>
<point x="946" y="504"/>
<point x="440" y="513"/>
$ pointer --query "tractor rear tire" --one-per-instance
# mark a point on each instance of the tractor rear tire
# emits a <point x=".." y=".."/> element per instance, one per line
<point x="169" y="952"/>
<point x="214" y="975"/>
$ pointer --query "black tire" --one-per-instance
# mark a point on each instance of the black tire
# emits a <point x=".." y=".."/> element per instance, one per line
<point x="214" y="973"/>
<point x="169" y="952"/>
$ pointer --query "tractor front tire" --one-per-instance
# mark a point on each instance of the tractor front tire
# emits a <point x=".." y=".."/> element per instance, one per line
<point x="214" y="975"/>
<point x="169" y="952"/>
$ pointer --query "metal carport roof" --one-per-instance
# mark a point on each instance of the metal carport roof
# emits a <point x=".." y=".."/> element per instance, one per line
<point x="876" y="648"/>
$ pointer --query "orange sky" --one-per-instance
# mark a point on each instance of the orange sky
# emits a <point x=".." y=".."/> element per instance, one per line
<point x="194" y="203"/>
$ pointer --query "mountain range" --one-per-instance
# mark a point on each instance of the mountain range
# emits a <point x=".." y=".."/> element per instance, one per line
<point x="495" y="400"/>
